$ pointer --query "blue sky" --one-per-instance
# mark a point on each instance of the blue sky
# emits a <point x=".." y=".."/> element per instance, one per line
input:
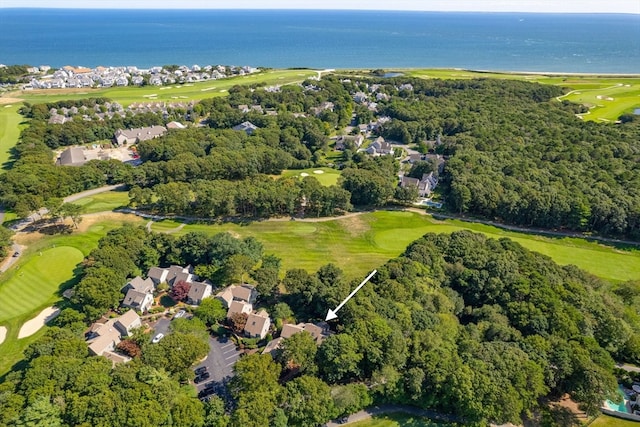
<point x="557" y="6"/>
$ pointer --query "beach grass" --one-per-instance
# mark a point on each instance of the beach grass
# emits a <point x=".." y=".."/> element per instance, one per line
<point x="328" y="177"/>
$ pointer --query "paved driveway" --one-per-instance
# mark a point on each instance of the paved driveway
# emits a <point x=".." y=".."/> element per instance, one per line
<point x="161" y="326"/>
<point x="219" y="362"/>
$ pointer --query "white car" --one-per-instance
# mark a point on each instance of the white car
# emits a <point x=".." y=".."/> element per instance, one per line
<point x="180" y="314"/>
<point x="157" y="338"/>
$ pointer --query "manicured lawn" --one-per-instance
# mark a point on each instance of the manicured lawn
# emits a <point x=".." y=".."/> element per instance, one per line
<point x="102" y="202"/>
<point x="608" y="100"/>
<point x="327" y="178"/>
<point x="361" y="243"/>
<point x="9" y="131"/>
<point x="31" y="285"/>
<point x="397" y="420"/>
<point x="34" y="283"/>
<point x="607" y="421"/>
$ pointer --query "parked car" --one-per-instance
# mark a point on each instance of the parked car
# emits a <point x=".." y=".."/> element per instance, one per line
<point x="157" y="338"/>
<point x="180" y="314"/>
<point x="16" y="254"/>
<point x="201" y="370"/>
<point x="202" y="377"/>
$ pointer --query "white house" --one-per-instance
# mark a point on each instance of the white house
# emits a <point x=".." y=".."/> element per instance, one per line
<point x="257" y="325"/>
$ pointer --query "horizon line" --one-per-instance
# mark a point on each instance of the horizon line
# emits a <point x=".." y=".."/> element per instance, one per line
<point x="318" y="9"/>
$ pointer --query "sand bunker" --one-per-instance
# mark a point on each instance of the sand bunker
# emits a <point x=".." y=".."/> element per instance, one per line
<point x="3" y="334"/>
<point x="318" y="171"/>
<point x="32" y="326"/>
<point x="304" y="174"/>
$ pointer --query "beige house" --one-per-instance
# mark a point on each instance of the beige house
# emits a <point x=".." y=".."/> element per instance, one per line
<point x="198" y="292"/>
<point x="239" y="307"/>
<point x="317" y="332"/>
<point x="139" y="284"/>
<point x="257" y="325"/>
<point x="133" y="136"/>
<point x="104" y="337"/>
<point x="246" y="293"/>
<point x="139" y="301"/>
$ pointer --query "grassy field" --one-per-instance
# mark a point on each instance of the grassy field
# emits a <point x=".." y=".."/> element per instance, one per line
<point x="32" y="285"/>
<point x="397" y="420"/>
<point x="360" y="243"/>
<point x="102" y="202"/>
<point x="607" y="421"/>
<point x="327" y="178"/>
<point x="10" y="128"/>
<point x="175" y="93"/>
<point x="608" y="97"/>
<point x="36" y="280"/>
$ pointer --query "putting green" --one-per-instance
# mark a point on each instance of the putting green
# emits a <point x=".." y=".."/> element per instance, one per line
<point x="32" y="284"/>
<point x="328" y="177"/>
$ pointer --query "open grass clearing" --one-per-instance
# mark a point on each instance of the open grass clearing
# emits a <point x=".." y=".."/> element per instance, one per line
<point x="328" y="177"/>
<point x="10" y="128"/>
<point x="397" y="420"/>
<point x="33" y="282"/>
<point x="607" y="421"/>
<point x="102" y="202"/>
<point x="358" y="244"/>
<point x="607" y="102"/>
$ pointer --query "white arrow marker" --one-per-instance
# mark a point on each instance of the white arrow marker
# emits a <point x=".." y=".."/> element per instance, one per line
<point x="331" y="314"/>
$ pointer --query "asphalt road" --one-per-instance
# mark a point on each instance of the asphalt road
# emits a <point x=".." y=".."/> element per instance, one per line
<point x="10" y="260"/>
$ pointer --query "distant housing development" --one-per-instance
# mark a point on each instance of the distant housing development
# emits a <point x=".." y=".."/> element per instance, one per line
<point x="82" y="77"/>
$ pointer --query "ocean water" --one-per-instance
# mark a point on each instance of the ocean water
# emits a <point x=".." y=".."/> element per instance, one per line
<point x="580" y="43"/>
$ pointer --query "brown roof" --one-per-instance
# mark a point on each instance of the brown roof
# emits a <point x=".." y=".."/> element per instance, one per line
<point x="256" y="323"/>
<point x="244" y="292"/>
<point x="128" y="320"/>
<point x="239" y="307"/>
<point x="315" y="330"/>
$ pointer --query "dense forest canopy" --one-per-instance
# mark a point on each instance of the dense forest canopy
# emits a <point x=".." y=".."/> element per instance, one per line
<point x="514" y="154"/>
<point x="519" y="156"/>
<point x="477" y="328"/>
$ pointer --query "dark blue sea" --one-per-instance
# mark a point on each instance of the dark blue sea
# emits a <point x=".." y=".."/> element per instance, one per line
<point x="580" y="43"/>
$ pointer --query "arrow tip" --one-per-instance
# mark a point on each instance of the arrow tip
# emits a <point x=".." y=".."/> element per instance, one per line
<point x="331" y="315"/>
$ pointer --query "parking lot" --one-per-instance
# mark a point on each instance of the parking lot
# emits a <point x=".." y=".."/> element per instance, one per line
<point x="219" y="363"/>
<point x="161" y="327"/>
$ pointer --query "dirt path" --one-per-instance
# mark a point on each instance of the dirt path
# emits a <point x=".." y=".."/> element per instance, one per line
<point x="32" y="326"/>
